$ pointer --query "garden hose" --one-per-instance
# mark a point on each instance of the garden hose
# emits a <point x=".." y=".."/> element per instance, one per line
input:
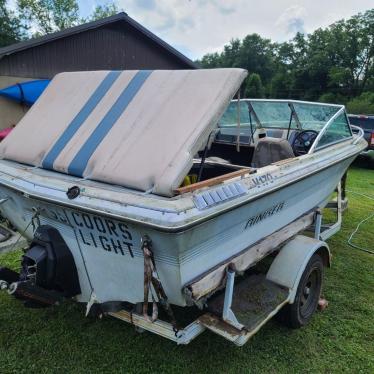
<point x="359" y="224"/>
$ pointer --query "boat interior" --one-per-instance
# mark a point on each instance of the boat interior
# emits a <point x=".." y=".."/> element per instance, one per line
<point x="256" y="133"/>
<point x="97" y="136"/>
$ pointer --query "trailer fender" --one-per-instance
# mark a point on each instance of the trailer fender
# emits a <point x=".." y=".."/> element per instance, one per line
<point x="289" y="265"/>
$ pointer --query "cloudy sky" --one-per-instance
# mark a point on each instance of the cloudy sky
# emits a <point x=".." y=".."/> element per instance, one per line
<point x="196" y="27"/>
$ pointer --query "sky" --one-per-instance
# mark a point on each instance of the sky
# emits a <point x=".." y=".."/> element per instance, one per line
<point x="197" y="27"/>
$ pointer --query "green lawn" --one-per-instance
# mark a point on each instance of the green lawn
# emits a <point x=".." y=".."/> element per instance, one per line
<point x="340" y="339"/>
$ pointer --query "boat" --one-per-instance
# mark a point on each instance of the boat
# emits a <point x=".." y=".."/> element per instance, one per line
<point x="25" y="92"/>
<point x="5" y="132"/>
<point x="150" y="184"/>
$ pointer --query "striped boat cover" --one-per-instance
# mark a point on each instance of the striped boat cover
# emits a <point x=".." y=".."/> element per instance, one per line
<point x="138" y="129"/>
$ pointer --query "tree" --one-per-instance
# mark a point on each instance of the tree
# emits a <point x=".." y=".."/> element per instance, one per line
<point x="41" y="17"/>
<point x="254" y="88"/>
<point x="333" y="98"/>
<point x="47" y="16"/>
<point x="257" y="56"/>
<point x="354" y="39"/>
<point x="337" y="60"/>
<point x="210" y="61"/>
<point x="363" y="104"/>
<point x="103" y="11"/>
<point x="340" y="58"/>
<point x="289" y="61"/>
<point x="253" y="53"/>
<point x="231" y="53"/>
<point x="11" y="30"/>
<point x="282" y="84"/>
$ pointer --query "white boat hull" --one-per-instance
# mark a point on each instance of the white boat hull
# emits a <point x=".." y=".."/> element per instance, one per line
<point x="108" y="252"/>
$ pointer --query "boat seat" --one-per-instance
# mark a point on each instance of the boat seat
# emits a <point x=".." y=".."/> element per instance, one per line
<point x="275" y="133"/>
<point x="278" y="133"/>
<point x="269" y="150"/>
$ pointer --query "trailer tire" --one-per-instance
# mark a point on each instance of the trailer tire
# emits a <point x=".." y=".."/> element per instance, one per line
<point x="308" y="292"/>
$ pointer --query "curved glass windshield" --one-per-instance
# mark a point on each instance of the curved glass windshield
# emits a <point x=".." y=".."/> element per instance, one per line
<point x="229" y="122"/>
<point x="336" y="131"/>
<point x="279" y="114"/>
<point x="314" y="117"/>
<point x="230" y="117"/>
<point x="274" y="114"/>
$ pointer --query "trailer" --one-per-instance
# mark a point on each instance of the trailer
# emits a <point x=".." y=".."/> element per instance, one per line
<point x="291" y="287"/>
<point x="238" y="304"/>
<point x="154" y="194"/>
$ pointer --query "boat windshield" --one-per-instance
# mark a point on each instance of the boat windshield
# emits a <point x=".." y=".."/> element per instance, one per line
<point x="278" y="114"/>
<point x="230" y="117"/>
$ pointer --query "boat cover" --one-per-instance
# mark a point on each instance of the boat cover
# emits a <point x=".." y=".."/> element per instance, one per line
<point x="138" y="129"/>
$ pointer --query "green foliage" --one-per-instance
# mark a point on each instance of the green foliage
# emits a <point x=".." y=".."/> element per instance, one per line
<point x="338" y="60"/>
<point x="11" y="30"/>
<point x="47" y="16"/>
<point x="253" y="87"/>
<point x="210" y="60"/>
<point x="282" y="84"/>
<point x="335" y="64"/>
<point x="332" y="98"/>
<point x="363" y="104"/>
<point x="252" y="53"/>
<point x="103" y="11"/>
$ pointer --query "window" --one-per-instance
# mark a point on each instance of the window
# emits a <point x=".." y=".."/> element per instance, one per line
<point x="229" y="122"/>
<point x="230" y="117"/>
<point x="274" y="114"/>
<point x="338" y="129"/>
<point x="314" y="117"/>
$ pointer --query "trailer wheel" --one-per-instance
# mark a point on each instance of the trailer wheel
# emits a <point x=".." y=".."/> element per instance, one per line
<point x="308" y="292"/>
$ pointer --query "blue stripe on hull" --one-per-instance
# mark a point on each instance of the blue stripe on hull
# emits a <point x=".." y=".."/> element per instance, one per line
<point x="79" y="119"/>
<point x="80" y="161"/>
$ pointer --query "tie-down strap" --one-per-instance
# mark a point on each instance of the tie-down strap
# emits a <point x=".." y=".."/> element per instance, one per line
<point x="153" y="285"/>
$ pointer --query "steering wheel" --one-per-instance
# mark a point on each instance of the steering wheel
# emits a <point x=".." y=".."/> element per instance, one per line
<point x="303" y="141"/>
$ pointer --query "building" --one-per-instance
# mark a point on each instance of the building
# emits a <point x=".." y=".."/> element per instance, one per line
<point x="114" y="43"/>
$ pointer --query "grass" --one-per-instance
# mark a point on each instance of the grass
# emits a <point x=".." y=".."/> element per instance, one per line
<point x="340" y="339"/>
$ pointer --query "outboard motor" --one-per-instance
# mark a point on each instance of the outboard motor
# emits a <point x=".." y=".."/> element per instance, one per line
<point x="48" y="271"/>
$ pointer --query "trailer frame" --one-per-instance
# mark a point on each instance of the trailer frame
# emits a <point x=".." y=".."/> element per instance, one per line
<point x="285" y="241"/>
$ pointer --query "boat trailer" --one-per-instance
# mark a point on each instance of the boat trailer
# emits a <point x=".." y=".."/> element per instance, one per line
<point x="241" y="310"/>
<point x="243" y="304"/>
